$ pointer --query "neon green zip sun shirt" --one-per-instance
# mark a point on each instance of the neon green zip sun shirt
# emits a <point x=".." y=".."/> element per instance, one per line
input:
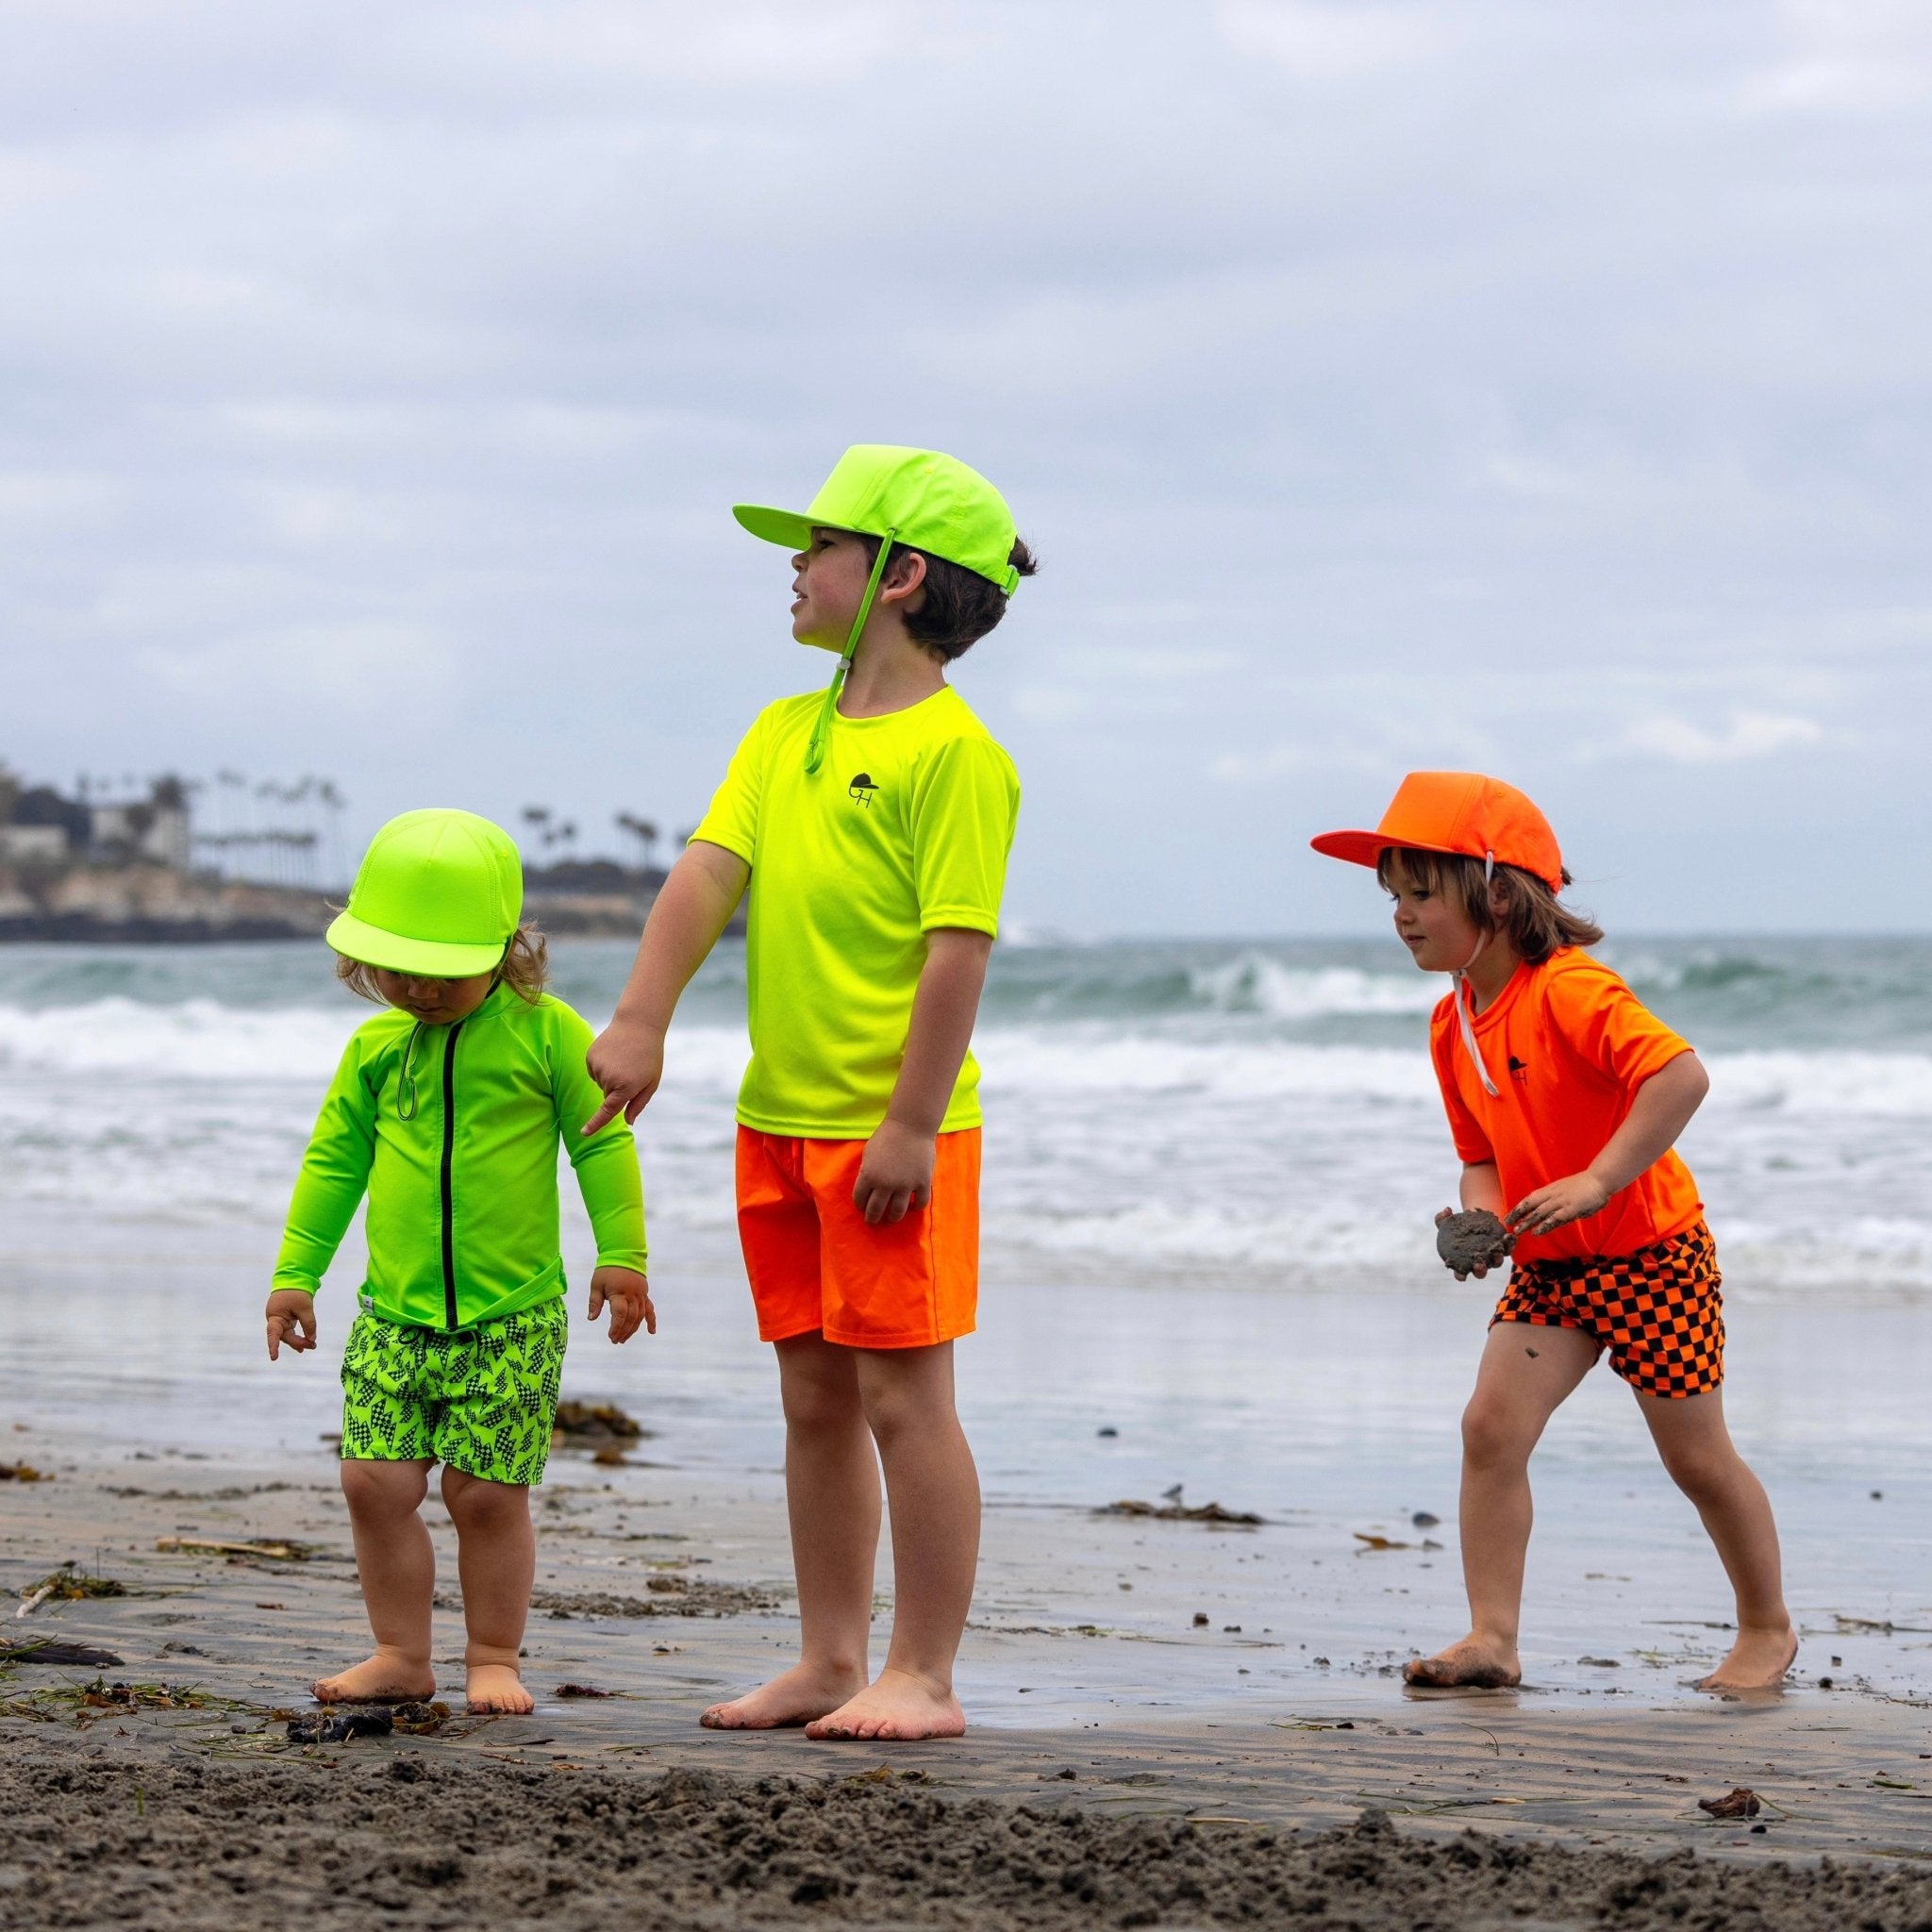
<point x="453" y="1133"/>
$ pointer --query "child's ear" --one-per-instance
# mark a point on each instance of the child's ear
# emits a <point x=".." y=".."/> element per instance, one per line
<point x="904" y="577"/>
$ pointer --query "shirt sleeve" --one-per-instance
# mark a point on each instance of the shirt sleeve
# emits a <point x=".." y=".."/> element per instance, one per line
<point x="1471" y="1140"/>
<point x="731" y="820"/>
<point x="605" y="1163"/>
<point x="965" y="806"/>
<point x="1608" y="1026"/>
<point x="335" y="1173"/>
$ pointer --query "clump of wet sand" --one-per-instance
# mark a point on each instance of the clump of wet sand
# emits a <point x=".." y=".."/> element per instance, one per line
<point x="400" y="1841"/>
<point x="584" y="1424"/>
<point x="669" y="1596"/>
<point x="1472" y="1240"/>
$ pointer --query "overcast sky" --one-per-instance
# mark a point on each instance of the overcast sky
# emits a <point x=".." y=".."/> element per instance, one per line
<point x="1535" y="388"/>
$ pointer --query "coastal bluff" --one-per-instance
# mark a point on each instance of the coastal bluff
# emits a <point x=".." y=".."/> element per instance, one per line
<point x="136" y="903"/>
<point x="144" y="903"/>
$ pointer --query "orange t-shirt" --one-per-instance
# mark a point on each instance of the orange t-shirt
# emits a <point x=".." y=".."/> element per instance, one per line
<point x="1568" y="1045"/>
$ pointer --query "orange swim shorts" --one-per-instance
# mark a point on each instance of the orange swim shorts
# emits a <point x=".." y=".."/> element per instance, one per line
<point x="816" y="1267"/>
<point x="1657" y="1311"/>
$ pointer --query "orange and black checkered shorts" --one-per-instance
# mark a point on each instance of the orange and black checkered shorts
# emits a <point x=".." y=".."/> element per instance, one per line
<point x="1657" y="1311"/>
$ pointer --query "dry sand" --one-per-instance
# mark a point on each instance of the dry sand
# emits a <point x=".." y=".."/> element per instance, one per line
<point x="1116" y="1804"/>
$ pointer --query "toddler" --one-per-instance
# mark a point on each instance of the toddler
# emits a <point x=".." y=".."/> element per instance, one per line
<point x="447" y="1109"/>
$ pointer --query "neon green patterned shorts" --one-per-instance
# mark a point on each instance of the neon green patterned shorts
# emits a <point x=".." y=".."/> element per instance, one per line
<point x="482" y="1400"/>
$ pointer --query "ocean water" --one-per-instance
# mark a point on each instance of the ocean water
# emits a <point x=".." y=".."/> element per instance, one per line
<point x="1257" y="1114"/>
<point x="1211" y="1173"/>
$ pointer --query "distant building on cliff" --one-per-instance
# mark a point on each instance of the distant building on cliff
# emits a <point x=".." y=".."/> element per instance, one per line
<point x="124" y="867"/>
<point x="40" y="826"/>
<point x="261" y="861"/>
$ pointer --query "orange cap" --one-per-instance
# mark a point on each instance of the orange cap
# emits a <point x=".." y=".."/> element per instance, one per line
<point x="1458" y="811"/>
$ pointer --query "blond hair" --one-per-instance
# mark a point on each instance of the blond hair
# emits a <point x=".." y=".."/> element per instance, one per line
<point x="524" y="968"/>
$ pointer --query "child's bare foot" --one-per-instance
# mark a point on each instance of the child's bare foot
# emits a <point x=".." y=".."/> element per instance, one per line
<point x="387" y="1678"/>
<point x="1474" y="1665"/>
<point x="896" y="1705"/>
<point x="497" y="1688"/>
<point x="1757" y="1661"/>
<point x="799" y="1696"/>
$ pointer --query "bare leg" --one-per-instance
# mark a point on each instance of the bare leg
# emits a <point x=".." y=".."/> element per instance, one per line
<point x="934" y="1491"/>
<point x="397" y="1566"/>
<point x="1696" y="1447"/>
<point x="832" y="1494"/>
<point x="1525" y="1375"/>
<point x="496" y="1559"/>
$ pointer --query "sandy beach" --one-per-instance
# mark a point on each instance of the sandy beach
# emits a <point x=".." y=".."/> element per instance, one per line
<point x="1129" y="1763"/>
<point x="1200" y="1277"/>
<point x="164" y="1788"/>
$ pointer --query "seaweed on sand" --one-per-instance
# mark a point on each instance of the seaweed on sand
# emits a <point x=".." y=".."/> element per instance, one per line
<point x="69" y="1584"/>
<point x="1184" y="1512"/>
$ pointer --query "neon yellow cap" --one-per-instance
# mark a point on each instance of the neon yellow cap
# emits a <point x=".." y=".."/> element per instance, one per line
<point x="915" y="496"/>
<point x="439" y="893"/>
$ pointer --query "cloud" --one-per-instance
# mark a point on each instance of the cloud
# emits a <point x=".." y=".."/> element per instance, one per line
<point x="1749" y="735"/>
<point x="1326" y="39"/>
<point x="1385" y="383"/>
<point x="1846" y="58"/>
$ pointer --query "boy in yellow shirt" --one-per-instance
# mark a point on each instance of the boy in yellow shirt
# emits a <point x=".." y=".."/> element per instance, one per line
<point x="871" y="825"/>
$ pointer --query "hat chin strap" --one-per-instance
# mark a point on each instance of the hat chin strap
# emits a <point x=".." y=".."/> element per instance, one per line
<point x="822" y="730"/>
<point x="1458" y="981"/>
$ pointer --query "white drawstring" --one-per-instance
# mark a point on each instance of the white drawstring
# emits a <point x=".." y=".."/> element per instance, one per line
<point x="1459" y="979"/>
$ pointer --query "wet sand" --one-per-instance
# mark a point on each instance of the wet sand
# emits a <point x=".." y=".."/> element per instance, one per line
<point x="420" y="1840"/>
<point x="1148" y="1770"/>
<point x="1175" y="1722"/>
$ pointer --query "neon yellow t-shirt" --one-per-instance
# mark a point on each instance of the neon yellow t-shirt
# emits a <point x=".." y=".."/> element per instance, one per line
<point x="904" y="828"/>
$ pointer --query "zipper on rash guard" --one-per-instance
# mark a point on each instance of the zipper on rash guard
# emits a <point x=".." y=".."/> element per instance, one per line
<point x="449" y="1159"/>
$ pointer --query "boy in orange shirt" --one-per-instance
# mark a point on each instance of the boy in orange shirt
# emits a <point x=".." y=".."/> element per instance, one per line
<point x="1565" y="1097"/>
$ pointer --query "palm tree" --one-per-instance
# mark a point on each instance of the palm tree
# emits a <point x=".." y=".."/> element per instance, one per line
<point x="644" y="832"/>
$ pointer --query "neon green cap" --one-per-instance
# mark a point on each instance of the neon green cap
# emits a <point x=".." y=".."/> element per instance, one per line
<point x="915" y="496"/>
<point x="439" y="893"/>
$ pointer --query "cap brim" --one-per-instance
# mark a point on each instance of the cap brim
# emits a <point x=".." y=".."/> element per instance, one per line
<point x="397" y="952"/>
<point x="1366" y="848"/>
<point x="785" y="526"/>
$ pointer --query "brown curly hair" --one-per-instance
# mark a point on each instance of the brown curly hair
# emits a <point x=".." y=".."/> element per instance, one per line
<point x="1531" y="918"/>
<point x="524" y="968"/>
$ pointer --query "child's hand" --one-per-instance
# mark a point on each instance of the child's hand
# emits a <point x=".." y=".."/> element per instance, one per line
<point x="290" y="1322"/>
<point x="629" y="1297"/>
<point x="628" y="1062"/>
<point x="895" y="1173"/>
<point x="1552" y="1207"/>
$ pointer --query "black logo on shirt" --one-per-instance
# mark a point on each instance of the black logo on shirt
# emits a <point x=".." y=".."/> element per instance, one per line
<point x="1519" y="1070"/>
<point x="863" y="788"/>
